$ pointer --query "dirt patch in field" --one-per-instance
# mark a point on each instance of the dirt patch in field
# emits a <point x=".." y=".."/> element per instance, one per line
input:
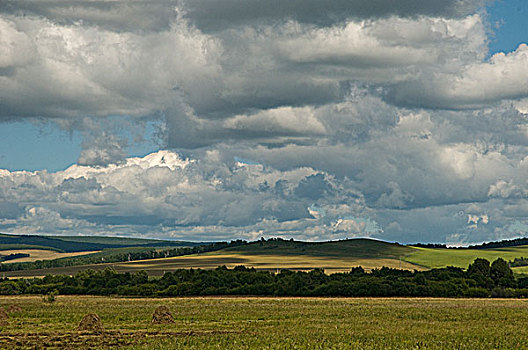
<point x="108" y="339"/>
<point x="162" y="315"/>
<point x="91" y="323"/>
<point x="13" y="308"/>
<point x="4" y="317"/>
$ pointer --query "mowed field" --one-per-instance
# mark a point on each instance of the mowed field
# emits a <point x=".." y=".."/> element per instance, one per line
<point x="269" y="323"/>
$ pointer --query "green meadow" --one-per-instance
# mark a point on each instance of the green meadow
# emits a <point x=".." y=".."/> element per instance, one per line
<point x="441" y="257"/>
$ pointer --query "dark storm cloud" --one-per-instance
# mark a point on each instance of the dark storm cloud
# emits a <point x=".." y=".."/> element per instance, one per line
<point x="212" y="15"/>
<point x="119" y="16"/>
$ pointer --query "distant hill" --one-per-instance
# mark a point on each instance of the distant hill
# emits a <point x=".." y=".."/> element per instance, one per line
<point x="272" y="254"/>
<point x="357" y="248"/>
<point x="70" y="244"/>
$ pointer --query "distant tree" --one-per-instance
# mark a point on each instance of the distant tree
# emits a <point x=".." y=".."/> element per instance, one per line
<point x="479" y="271"/>
<point x="522" y="261"/>
<point x="480" y="266"/>
<point x="501" y="273"/>
<point x="357" y="271"/>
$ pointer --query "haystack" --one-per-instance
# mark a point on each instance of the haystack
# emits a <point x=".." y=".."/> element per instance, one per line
<point x="14" y="308"/>
<point x="4" y="317"/>
<point x="91" y="323"/>
<point x="162" y="315"/>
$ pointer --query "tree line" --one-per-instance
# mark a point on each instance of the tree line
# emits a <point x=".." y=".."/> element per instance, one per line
<point x="522" y="261"/>
<point x="496" y="244"/>
<point x="481" y="279"/>
<point x="13" y="256"/>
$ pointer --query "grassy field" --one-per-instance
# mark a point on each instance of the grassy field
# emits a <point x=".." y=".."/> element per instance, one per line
<point x="40" y="254"/>
<point x="270" y="323"/>
<point x="434" y="258"/>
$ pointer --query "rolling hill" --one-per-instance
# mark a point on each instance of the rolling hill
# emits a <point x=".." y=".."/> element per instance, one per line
<point x="358" y="247"/>
<point x="335" y="256"/>
<point x="276" y="254"/>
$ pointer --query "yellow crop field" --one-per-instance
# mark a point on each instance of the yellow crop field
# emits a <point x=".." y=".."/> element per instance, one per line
<point x="157" y="267"/>
<point x="267" y="262"/>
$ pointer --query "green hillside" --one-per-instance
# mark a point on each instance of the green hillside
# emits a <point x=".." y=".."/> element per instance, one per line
<point x="356" y="248"/>
<point x="70" y="244"/>
<point x="442" y="257"/>
<point x="124" y="241"/>
<point x="4" y="247"/>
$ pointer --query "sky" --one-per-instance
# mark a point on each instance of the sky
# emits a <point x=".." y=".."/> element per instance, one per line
<point x="238" y="119"/>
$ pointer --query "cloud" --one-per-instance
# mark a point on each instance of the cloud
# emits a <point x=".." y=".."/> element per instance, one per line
<point x="78" y="71"/>
<point x="286" y="120"/>
<point x="384" y="43"/>
<point x="154" y="16"/>
<point x="522" y="106"/>
<point x="113" y="15"/>
<point x="164" y="190"/>
<point x="505" y="76"/>
<point x="230" y="13"/>
<point x="74" y="69"/>
<point x="352" y="118"/>
<point x="505" y="189"/>
<point x="165" y="195"/>
<point x="101" y="150"/>
<point x="43" y="220"/>
<point x="407" y="165"/>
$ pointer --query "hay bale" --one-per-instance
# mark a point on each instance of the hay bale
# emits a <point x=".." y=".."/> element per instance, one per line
<point x="91" y="323"/>
<point x="14" y="308"/>
<point x="4" y="317"/>
<point x="162" y="315"/>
